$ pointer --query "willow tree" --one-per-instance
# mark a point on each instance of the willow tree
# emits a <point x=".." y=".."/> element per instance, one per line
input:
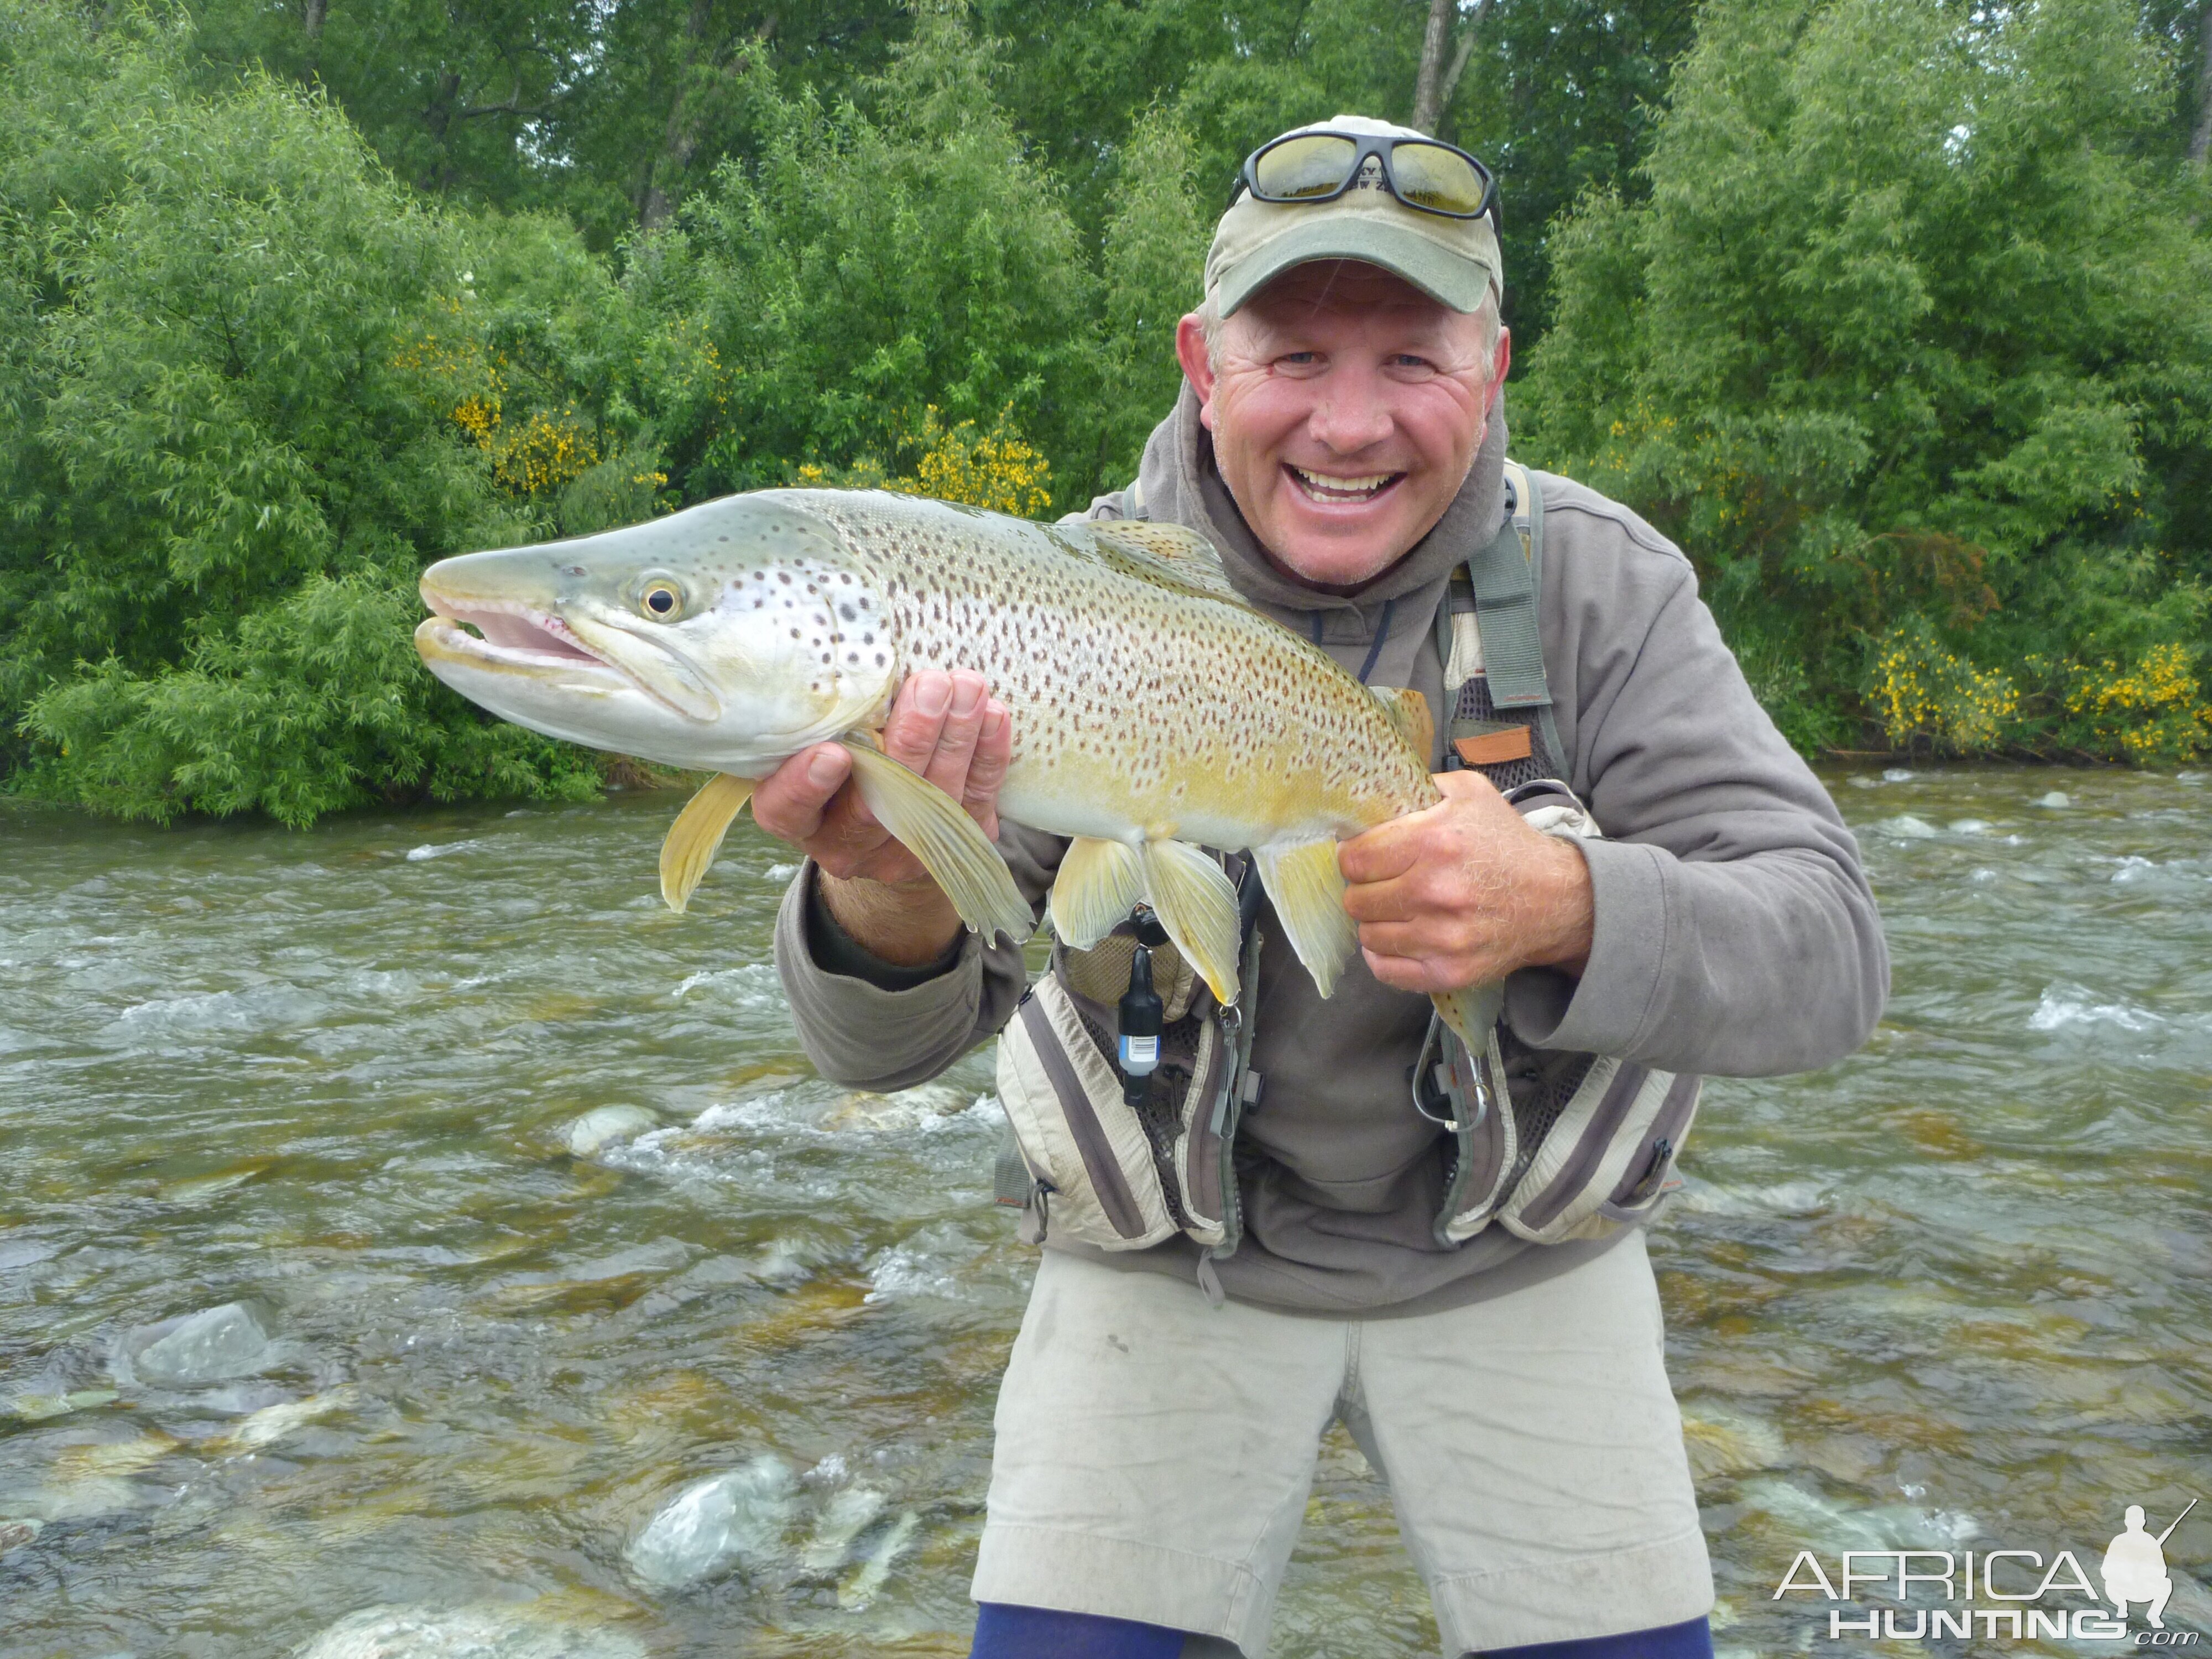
<point x="1910" y="345"/>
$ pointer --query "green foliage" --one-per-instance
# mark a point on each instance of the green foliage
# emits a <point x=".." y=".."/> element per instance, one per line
<point x="868" y="266"/>
<point x="223" y="475"/>
<point x="1898" y="313"/>
<point x="1910" y="344"/>
<point x="1154" y="259"/>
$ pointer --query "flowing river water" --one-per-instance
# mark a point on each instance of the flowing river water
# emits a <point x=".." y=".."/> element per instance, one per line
<point x="400" y="1222"/>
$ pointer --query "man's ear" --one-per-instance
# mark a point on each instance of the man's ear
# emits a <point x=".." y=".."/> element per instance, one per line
<point x="1197" y="364"/>
<point x="1500" y="364"/>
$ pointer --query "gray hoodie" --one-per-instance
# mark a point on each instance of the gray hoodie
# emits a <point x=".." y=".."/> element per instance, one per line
<point x="1736" y="933"/>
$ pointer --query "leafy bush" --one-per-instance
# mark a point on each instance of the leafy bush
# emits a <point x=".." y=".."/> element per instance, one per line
<point x="226" y="468"/>
<point x="870" y="265"/>
<point x="1911" y="347"/>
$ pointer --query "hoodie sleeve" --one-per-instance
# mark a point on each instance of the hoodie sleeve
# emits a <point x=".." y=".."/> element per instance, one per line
<point x="1736" y="934"/>
<point x="874" y="1025"/>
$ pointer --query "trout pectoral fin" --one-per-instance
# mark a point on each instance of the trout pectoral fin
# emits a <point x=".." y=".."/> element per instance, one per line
<point x="1196" y="905"/>
<point x="1307" y="889"/>
<point x="952" y="846"/>
<point x="1098" y="885"/>
<point x="1471" y="1012"/>
<point x="697" y="835"/>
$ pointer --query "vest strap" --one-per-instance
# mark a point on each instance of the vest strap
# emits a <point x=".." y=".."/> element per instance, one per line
<point x="1504" y="576"/>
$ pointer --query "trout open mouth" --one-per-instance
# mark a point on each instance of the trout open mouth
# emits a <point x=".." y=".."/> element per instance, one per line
<point x="507" y="635"/>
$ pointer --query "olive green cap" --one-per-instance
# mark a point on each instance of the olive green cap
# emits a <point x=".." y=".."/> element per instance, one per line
<point x="1454" y="261"/>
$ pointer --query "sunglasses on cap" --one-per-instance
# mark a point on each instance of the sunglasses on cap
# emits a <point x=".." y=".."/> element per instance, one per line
<point x="1423" y="173"/>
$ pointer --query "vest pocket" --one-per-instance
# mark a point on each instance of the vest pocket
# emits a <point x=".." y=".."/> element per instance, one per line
<point x="1603" y="1163"/>
<point x="1086" y="1151"/>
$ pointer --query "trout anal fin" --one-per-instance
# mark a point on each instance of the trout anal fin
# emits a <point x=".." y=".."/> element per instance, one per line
<point x="1307" y="889"/>
<point x="1196" y="902"/>
<point x="697" y="835"/>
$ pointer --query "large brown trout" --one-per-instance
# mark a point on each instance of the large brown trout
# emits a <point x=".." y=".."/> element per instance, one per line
<point x="1153" y="713"/>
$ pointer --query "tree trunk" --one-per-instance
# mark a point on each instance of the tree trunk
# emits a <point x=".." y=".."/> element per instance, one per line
<point x="1434" y="86"/>
<point x="1428" y="85"/>
<point x="681" y="140"/>
<point x="312" y="29"/>
<point x="2200" y="146"/>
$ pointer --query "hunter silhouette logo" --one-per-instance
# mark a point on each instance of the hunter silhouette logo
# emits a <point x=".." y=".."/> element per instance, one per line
<point x="2002" y="1596"/>
<point x="2135" y="1567"/>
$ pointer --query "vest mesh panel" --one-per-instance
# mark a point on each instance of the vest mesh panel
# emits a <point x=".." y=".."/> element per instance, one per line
<point x="1539" y="1083"/>
<point x="1474" y="704"/>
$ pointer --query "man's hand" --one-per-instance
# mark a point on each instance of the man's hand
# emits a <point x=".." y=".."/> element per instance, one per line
<point x="949" y="728"/>
<point x="1465" y="893"/>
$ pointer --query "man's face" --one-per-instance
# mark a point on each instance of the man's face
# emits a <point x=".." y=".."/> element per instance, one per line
<point x="1345" y="407"/>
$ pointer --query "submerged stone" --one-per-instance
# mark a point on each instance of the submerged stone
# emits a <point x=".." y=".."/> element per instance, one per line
<point x="603" y="1125"/>
<point x="205" y="1347"/>
<point x="843" y="1518"/>
<point x="468" y="1633"/>
<point x="273" y="1423"/>
<point x="1722" y="1443"/>
<point x="37" y="1407"/>
<point x="711" y="1526"/>
<point x="860" y="1590"/>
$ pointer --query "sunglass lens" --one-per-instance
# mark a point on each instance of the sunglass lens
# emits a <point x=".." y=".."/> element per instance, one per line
<point x="1430" y="176"/>
<point x="1300" y="167"/>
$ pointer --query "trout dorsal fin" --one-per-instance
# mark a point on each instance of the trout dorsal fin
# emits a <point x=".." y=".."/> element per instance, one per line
<point x="1471" y="1012"/>
<point x="1165" y="555"/>
<point x="1409" y="713"/>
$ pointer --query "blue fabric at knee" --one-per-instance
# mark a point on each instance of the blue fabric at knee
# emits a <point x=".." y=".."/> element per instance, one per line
<point x="1691" y="1640"/>
<point x="1005" y="1631"/>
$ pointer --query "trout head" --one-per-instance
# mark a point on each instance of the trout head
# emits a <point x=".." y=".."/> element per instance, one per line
<point x="728" y="636"/>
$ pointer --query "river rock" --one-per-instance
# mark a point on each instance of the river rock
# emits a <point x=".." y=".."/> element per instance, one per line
<point x="2056" y="799"/>
<point x="205" y="1347"/>
<point x="37" y="1407"/>
<point x="603" y="1125"/>
<point x="711" y="1526"/>
<point x="843" y="1518"/>
<point x="1722" y="1443"/>
<point x="859" y="1592"/>
<point x="467" y="1633"/>
<point x="272" y="1422"/>
<point x="1906" y="827"/>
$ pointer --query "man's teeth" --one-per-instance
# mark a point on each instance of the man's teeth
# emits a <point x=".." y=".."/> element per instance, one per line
<point x="1343" y="489"/>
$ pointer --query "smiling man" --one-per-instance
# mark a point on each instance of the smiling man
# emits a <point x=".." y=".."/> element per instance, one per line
<point x="1446" y="1258"/>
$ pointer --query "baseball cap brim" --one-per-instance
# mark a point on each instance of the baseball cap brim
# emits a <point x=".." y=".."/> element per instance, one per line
<point x="1449" y="277"/>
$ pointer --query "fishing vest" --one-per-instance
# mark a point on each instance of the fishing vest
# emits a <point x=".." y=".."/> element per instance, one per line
<point x="1550" y="1145"/>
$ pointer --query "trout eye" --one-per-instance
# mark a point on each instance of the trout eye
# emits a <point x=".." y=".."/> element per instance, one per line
<point x="662" y="600"/>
